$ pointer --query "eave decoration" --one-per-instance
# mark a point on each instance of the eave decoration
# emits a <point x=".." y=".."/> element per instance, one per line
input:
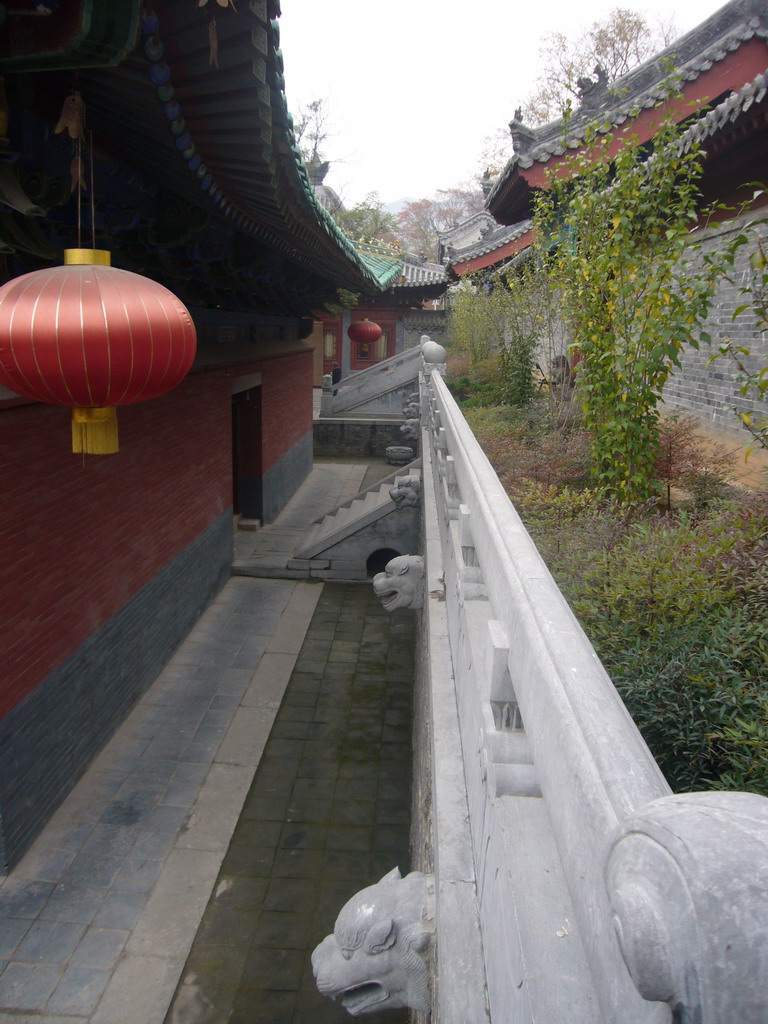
<point x="92" y="337"/>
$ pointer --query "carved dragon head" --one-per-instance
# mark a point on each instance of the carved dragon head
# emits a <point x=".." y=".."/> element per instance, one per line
<point x="410" y="429"/>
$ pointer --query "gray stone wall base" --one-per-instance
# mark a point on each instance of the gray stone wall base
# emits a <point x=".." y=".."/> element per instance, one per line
<point x="281" y="480"/>
<point x="48" y="740"/>
<point x="365" y="438"/>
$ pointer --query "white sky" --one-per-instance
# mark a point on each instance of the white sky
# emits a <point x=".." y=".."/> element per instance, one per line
<point x="413" y="87"/>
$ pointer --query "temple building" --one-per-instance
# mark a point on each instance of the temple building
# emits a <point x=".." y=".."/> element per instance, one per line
<point x="163" y="138"/>
<point x="721" y="71"/>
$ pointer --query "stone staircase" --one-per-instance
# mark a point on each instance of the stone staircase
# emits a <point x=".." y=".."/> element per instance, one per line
<point x="379" y="390"/>
<point x="339" y="544"/>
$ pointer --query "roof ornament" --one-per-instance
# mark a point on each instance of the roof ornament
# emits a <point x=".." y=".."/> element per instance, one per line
<point x="317" y="170"/>
<point x="72" y="117"/>
<point x="523" y="137"/>
<point x="72" y="121"/>
<point x="593" y="94"/>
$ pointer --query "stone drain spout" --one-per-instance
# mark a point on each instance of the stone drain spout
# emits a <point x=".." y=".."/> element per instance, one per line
<point x="374" y="960"/>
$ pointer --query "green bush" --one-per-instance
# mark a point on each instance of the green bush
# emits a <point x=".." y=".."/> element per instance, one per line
<point x="675" y="602"/>
<point x="489" y="422"/>
<point x="476" y="384"/>
<point x="687" y="688"/>
<point x="676" y="607"/>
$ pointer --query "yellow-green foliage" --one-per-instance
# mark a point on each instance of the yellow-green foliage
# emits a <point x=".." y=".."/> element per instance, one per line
<point x="615" y="232"/>
<point x="478" y="318"/>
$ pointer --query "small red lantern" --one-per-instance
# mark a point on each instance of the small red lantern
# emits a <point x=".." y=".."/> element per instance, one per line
<point x="92" y="337"/>
<point x="364" y="331"/>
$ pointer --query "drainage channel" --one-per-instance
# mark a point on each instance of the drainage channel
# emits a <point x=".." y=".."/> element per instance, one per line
<point x="327" y="814"/>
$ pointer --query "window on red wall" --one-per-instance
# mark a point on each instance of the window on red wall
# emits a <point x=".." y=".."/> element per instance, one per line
<point x="329" y="345"/>
<point x="382" y="346"/>
<point x="363" y="350"/>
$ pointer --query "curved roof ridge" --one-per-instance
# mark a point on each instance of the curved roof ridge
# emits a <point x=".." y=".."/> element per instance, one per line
<point x="687" y="57"/>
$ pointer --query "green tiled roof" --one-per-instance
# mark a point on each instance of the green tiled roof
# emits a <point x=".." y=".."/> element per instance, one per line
<point x="385" y="268"/>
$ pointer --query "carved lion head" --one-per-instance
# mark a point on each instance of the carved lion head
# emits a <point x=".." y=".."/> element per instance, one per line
<point x="401" y="583"/>
<point x="371" y="961"/>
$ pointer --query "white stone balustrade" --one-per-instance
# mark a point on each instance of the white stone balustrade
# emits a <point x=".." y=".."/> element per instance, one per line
<point x="571" y="885"/>
<point x="379" y="389"/>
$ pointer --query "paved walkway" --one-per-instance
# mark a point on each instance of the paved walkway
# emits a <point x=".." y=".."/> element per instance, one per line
<point x="328" y="814"/>
<point x="97" y="920"/>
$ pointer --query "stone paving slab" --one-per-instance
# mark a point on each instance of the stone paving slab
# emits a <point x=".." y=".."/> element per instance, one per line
<point x="97" y="919"/>
<point x="327" y="814"/>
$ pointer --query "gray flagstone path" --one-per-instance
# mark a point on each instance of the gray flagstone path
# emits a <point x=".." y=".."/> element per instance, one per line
<point x="98" y="919"/>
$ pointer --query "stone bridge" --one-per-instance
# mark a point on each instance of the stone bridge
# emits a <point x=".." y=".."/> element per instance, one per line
<point x="563" y="880"/>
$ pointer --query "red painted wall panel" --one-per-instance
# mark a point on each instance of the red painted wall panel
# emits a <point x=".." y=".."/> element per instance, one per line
<point x="286" y="413"/>
<point x="81" y="535"/>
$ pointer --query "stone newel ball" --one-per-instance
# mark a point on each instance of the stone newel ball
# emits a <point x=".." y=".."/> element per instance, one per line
<point x="432" y="352"/>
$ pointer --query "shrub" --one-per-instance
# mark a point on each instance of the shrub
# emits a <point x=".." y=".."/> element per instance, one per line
<point x="613" y="227"/>
<point x="676" y="603"/>
<point x="688" y="687"/>
<point x="685" y="459"/>
<point x="676" y="608"/>
<point x="474" y="384"/>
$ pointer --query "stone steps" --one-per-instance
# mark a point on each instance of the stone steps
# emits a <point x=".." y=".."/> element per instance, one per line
<point x="343" y="522"/>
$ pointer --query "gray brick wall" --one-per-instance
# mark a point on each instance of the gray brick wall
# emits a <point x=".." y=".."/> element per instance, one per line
<point x="48" y="740"/>
<point x="710" y="391"/>
<point x="281" y="480"/>
<point x="425" y="321"/>
<point x="345" y="438"/>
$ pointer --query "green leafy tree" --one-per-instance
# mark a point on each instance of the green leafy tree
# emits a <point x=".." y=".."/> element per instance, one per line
<point x="513" y="313"/>
<point x="474" y="326"/>
<point x="368" y="220"/>
<point x="525" y="306"/>
<point x="614" y="231"/>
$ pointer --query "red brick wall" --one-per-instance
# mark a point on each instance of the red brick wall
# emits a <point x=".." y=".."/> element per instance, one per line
<point x="286" y="415"/>
<point x="80" y="535"/>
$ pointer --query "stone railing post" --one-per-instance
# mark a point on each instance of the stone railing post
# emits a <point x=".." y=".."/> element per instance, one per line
<point x="326" y="399"/>
<point x="687" y="877"/>
<point x="433" y="356"/>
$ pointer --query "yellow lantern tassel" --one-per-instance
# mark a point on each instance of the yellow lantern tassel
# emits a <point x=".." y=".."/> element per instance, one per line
<point x="94" y="430"/>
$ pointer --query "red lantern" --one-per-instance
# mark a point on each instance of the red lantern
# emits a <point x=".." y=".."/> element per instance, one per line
<point x="92" y="337"/>
<point x="364" y="331"/>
